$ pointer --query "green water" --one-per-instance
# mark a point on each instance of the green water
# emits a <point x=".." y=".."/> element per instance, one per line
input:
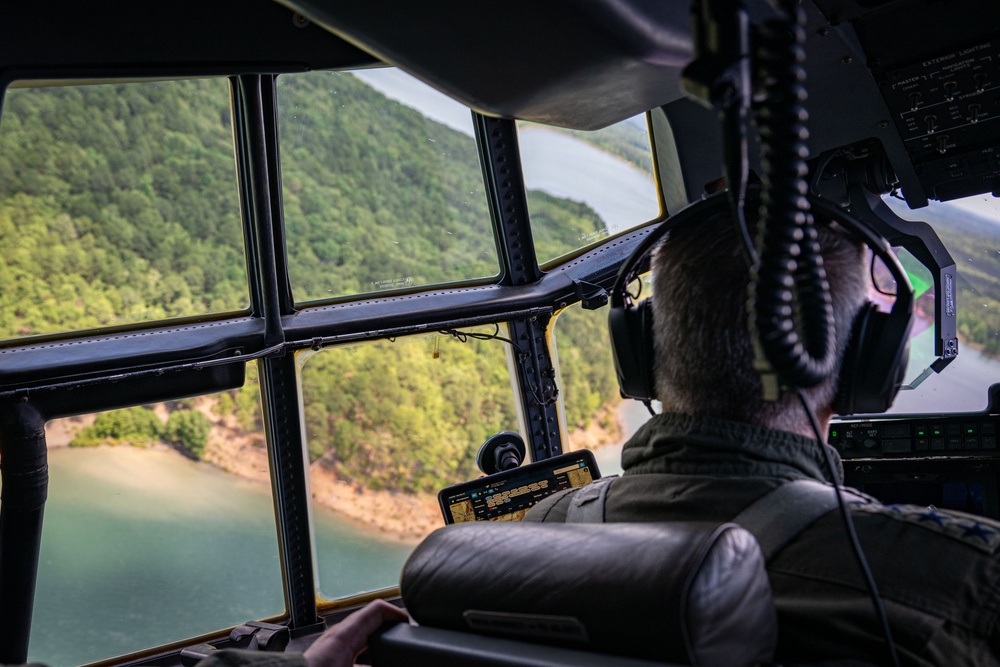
<point x="144" y="547"/>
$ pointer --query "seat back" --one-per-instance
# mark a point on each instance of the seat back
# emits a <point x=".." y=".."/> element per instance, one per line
<point x="685" y="593"/>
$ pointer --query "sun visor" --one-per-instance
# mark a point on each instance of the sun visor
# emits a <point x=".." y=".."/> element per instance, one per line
<point x="527" y="59"/>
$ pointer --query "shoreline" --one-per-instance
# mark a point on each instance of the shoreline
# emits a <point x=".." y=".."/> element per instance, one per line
<point x="394" y="515"/>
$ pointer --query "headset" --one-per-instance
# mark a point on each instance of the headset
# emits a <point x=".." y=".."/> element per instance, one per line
<point x="874" y="363"/>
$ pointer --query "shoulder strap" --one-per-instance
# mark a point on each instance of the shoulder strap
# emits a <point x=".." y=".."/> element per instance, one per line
<point x="781" y="515"/>
<point x="775" y="519"/>
<point x="587" y="503"/>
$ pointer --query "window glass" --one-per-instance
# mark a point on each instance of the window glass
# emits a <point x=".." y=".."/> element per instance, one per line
<point x="596" y="417"/>
<point x="970" y="230"/>
<point x="381" y="184"/>
<point x="118" y="204"/>
<point x="388" y="425"/>
<point x="159" y="526"/>
<point x="586" y="186"/>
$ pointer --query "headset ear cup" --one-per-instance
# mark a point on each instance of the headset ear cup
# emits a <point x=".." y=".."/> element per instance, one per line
<point x="631" y="330"/>
<point x="843" y="403"/>
<point x="875" y="361"/>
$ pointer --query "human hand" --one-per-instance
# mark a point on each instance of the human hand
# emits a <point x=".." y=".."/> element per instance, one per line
<point x="341" y="644"/>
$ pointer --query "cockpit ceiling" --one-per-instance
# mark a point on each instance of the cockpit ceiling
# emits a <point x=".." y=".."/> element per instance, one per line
<point x="575" y="63"/>
<point x="527" y="59"/>
<point x="587" y="63"/>
<point x="41" y="38"/>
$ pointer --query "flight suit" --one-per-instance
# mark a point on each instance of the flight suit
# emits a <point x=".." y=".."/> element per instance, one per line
<point x="938" y="573"/>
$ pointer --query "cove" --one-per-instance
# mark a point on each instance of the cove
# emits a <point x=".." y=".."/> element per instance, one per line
<point x="143" y="547"/>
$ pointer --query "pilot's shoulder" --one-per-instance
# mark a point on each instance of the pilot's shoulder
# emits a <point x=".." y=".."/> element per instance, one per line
<point x="973" y="531"/>
<point x="552" y="508"/>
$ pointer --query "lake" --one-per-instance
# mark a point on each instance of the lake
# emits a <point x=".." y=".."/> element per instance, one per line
<point x="123" y="525"/>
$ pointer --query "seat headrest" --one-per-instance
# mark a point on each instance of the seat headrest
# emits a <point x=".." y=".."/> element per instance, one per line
<point x="692" y="593"/>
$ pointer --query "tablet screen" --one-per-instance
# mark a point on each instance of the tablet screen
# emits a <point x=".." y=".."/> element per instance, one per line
<point x="508" y="495"/>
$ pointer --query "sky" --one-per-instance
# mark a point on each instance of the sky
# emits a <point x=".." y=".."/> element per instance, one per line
<point x="985" y="205"/>
<point x="400" y="86"/>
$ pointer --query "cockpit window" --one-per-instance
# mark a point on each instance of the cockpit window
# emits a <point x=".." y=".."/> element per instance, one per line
<point x="388" y="425"/>
<point x="381" y="185"/>
<point x="595" y="415"/>
<point x="970" y="229"/>
<point x="586" y="186"/>
<point x="159" y="526"/>
<point x="118" y="205"/>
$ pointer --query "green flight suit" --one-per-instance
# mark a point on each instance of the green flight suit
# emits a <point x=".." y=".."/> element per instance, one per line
<point x="938" y="572"/>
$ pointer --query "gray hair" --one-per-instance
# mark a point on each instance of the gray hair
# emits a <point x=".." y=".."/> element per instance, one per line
<point x="703" y="351"/>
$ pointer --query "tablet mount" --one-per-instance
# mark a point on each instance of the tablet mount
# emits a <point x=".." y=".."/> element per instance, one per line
<point x="503" y="451"/>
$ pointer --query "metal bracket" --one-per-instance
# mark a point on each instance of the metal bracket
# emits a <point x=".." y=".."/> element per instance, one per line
<point x="260" y="636"/>
<point x="591" y="296"/>
<point x="920" y="239"/>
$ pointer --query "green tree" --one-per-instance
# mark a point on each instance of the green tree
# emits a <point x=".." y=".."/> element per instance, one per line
<point x="139" y="427"/>
<point x="188" y="429"/>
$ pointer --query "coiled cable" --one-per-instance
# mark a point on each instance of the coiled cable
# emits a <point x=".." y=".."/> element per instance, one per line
<point x="788" y="285"/>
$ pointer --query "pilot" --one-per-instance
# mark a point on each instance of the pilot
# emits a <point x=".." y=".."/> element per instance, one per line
<point x="718" y="446"/>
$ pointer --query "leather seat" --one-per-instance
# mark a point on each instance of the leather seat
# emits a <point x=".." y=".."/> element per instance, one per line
<point x="578" y="594"/>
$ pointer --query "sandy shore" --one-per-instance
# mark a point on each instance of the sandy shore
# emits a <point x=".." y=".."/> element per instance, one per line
<point x="408" y="517"/>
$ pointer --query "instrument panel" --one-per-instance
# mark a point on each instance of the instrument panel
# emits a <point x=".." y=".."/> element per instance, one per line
<point x="962" y="435"/>
<point x="948" y="461"/>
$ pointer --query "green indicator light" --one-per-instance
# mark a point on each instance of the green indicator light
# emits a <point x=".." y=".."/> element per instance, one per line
<point x="833" y="434"/>
<point x="937" y="432"/>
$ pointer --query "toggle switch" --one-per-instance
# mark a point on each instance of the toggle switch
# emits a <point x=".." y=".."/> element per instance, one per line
<point x="974" y="110"/>
<point x="949" y="90"/>
<point x="942" y="143"/>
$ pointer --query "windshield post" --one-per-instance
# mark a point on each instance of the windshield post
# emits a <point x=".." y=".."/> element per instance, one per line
<point x="25" y="487"/>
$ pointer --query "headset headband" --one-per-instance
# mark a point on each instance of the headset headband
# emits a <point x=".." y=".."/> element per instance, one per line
<point x="629" y="270"/>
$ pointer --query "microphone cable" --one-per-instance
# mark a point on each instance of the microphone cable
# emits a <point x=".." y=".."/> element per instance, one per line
<point x="852" y="533"/>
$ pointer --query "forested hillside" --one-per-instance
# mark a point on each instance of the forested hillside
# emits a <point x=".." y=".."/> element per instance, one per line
<point x="972" y="242"/>
<point x="118" y="204"/>
<point x="375" y="194"/>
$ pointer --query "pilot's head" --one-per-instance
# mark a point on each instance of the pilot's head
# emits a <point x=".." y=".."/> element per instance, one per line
<point x="703" y="350"/>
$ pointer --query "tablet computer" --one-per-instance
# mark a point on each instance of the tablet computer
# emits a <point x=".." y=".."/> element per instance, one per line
<point x="508" y="495"/>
